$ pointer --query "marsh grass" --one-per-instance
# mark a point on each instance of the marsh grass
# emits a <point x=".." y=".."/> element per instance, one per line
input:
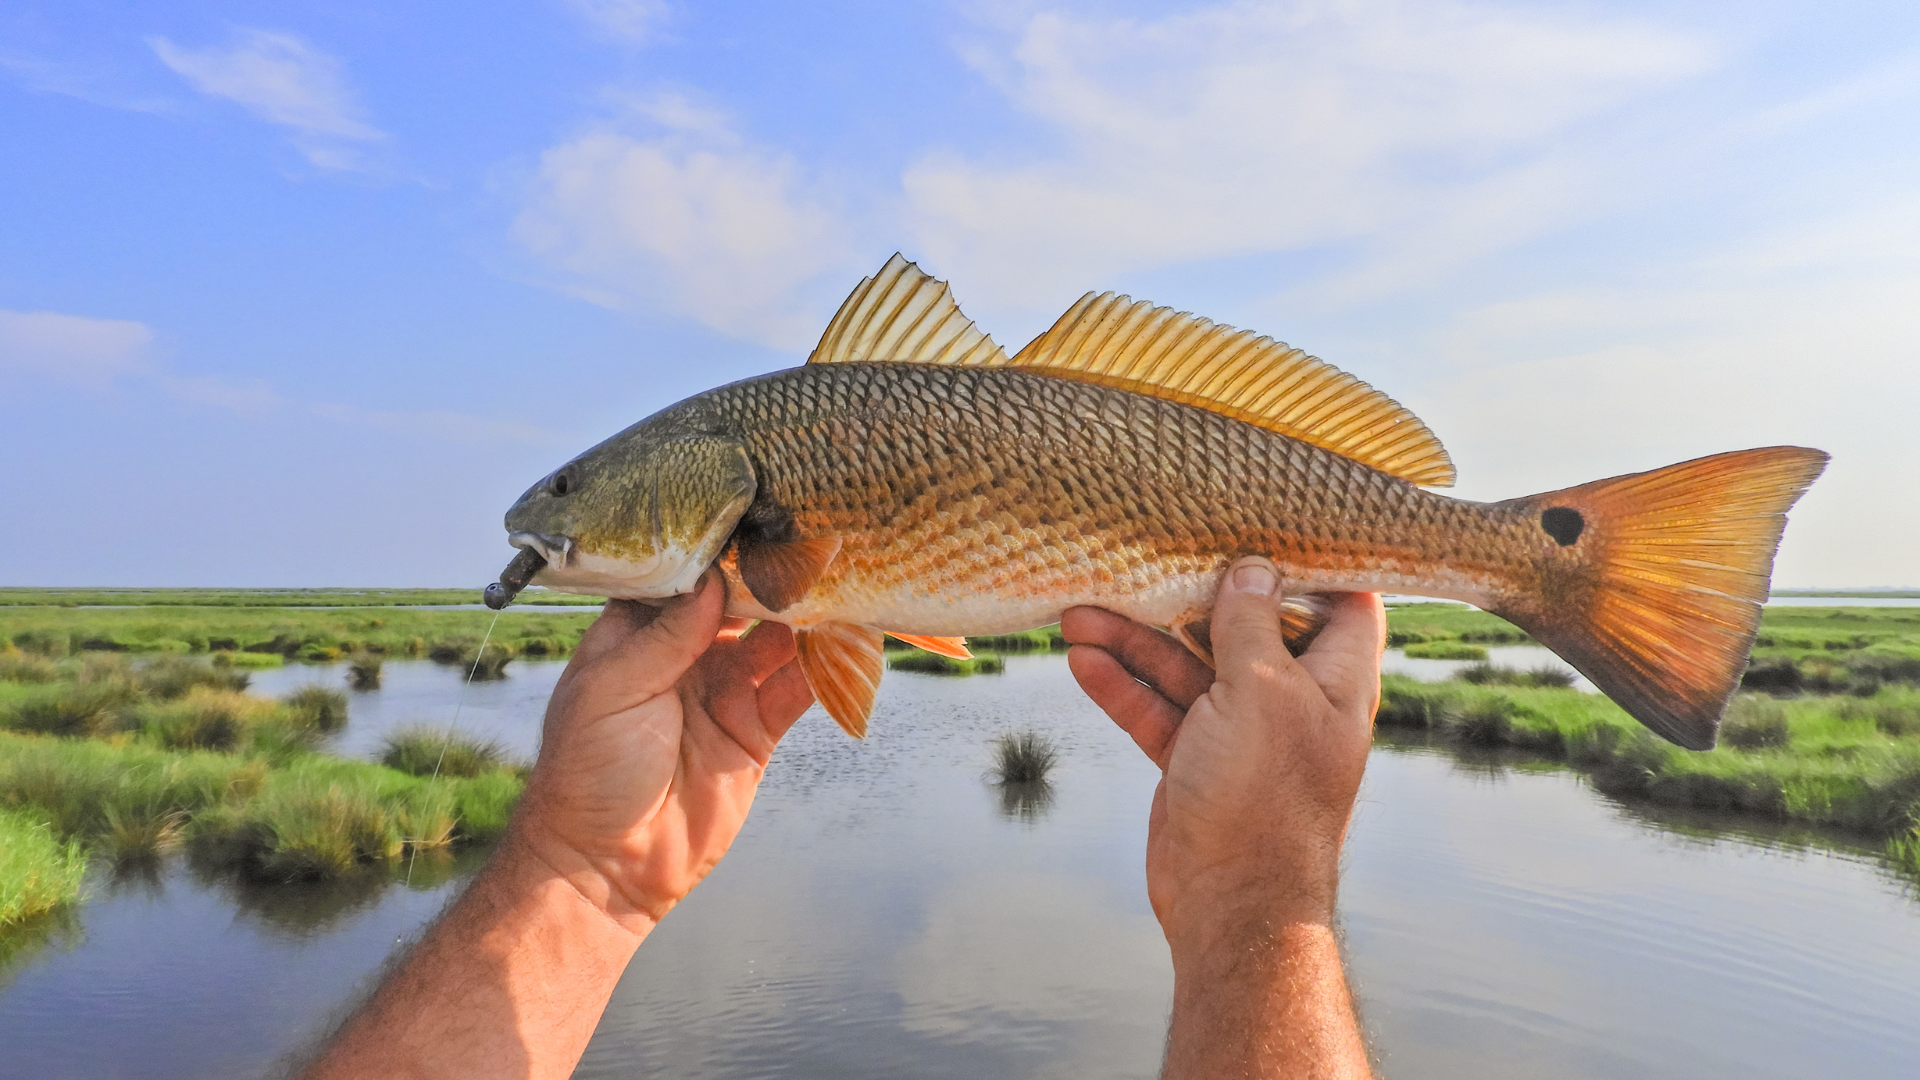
<point x="1486" y="674"/>
<point x="1024" y="757"/>
<point x="1445" y="650"/>
<point x="73" y="710"/>
<point x="1835" y="767"/>
<point x="927" y="663"/>
<point x="320" y="709"/>
<point x="169" y="677"/>
<point x="39" y="872"/>
<point x="1755" y="722"/>
<point x="364" y="671"/>
<point x="421" y="750"/>
<point x="20" y="667"/>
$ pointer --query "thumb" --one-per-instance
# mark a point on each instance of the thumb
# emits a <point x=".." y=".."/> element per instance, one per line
<point x="1247" y="639"/>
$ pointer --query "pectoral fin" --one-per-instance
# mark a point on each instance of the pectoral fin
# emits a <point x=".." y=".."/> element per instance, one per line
<point x="779" y="574"/>
<point x="955" y="647"/>
<point x="842" y="663"/>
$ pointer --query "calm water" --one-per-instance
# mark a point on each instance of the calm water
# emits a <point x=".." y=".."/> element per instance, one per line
<point x="886" y="914"/>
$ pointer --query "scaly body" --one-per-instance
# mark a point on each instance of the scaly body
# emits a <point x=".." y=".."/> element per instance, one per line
<point x="985" y="501"/>
<point x="913" y="479"/>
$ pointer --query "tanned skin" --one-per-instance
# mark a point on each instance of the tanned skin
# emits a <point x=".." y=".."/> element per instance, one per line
<point x="1262" y="760"/>
<point x="655" y="743"/>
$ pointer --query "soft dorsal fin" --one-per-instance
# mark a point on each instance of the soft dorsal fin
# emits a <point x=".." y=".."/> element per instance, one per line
<point x="1113" y="341"/>
<point x="902" y="313"/>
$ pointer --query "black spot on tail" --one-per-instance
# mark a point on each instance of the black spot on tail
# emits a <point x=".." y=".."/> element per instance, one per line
<point x="1563" y="523"/>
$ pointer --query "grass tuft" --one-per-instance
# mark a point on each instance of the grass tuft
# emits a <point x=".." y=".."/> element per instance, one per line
<point x="1445" y="650"/>
<point x="39" y="873"/>
<point x="1485" y="674"/>
<point x="1023" y="758"/>
<point x="364" y="671"/>
<point x="419" y="749"/>
<point x="318" y="708"/>
<point x="1755" y="722"/>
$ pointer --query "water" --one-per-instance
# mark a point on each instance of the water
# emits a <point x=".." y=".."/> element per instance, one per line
<point x="1518" y="657"/>
<point x="506" y="710"/>
<point x="885" y="914"/>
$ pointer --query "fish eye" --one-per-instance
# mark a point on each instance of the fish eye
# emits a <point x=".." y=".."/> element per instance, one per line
<point x="561" y="483"/>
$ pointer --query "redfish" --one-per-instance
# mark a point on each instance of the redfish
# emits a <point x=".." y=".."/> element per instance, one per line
<point x="913" y="480"/>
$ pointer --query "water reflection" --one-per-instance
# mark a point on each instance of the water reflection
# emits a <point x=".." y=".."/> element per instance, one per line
<point x="1025" y="802"/>
<point x="887" y="913"/>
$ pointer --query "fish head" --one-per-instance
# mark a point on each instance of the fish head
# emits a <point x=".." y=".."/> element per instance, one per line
<point x="639" y="516"/>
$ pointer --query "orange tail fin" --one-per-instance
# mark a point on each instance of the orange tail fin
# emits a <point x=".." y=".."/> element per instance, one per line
<point x="1660" y="598"/>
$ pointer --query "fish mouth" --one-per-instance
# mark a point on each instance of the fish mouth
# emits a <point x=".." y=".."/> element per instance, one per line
<point x="554" y="549"/>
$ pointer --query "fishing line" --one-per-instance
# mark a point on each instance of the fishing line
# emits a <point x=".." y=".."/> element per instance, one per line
<point x="459" y="702"/>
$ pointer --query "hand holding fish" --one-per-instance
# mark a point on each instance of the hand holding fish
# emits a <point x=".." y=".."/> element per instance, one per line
<point x="636" y="826"/>
<point x="1262" y="762"/>
<point x="655" y="742"/>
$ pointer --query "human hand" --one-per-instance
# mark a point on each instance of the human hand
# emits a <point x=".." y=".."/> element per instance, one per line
<point x="1261" y="758"/>
<point x="654" y="745"/>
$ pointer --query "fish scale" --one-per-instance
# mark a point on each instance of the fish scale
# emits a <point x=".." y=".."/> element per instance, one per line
<point x="913" y="479"/>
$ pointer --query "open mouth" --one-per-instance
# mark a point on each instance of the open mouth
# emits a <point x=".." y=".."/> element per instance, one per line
<point x="553" y="549"/>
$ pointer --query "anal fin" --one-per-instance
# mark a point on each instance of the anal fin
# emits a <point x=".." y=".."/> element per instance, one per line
<point x="842" y="663"/>
<point x="955" y="647"/>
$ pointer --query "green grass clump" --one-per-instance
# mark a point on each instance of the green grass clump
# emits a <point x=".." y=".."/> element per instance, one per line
<point x="252" y="661"/>
<point x="1755" y="722"/>
<point x="421" y="750"/>
<point x="39" y="873"/>
<point x="72" y="710"/>
<point x="1485" y="674"/>
<point x="21" y="667"/>
<point x="206" y="720"/>
<point x="318" y="708"/>
<point x="1023" y="758"/>
<point x="1044" y="639"/>
<point x="169" y="677"/>
<point x="1445" y="650"/>
<point x="364" y="671"/>
<point x="928" y="663"/>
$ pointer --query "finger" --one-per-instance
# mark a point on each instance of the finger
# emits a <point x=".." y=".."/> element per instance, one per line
<point x="1153" y="657"/>
<point x="1345" y="658"/>
<point x="1248" y="643"/>
<point x="765" y="650"/>
<point x="618" y="620"/>
<point x="1141" y="712"/>
<point x="734" y="626"/>
<point x="783" y="697"/>
<point x="661" y="651"/>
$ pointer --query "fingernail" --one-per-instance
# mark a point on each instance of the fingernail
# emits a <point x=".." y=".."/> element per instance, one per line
<point x="1254" y="578"/>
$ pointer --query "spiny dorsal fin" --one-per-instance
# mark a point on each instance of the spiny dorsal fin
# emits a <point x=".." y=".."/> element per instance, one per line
<point x="902" y="313"/>
<point x="1113" y="341"/>
<point x="842" y="663"/>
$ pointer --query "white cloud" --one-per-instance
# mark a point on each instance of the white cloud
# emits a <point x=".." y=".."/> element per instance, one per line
<point x="72" y="348"/>
<point x="1804" y="336"/>
<point x="688" y="218"/>
<point x="282" y="80"/>
<point x="1257" y="127"/>
<point x="633" y="22"/>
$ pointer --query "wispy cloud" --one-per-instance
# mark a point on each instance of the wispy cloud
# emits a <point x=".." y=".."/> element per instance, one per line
<point x="687" y="217"/>
<point x="1260" y="127"/>
<point x="281" y="79"/>
<point x="250" y="398"/>
<point x="73" y="349"/>
<point x="630" y="22"/>
<point x="98" y="86"/>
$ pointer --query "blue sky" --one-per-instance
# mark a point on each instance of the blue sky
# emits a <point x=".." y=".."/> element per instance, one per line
<point x="306" y="295"/>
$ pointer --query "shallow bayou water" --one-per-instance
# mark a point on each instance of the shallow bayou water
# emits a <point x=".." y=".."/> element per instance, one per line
<point x="887" y="913"/>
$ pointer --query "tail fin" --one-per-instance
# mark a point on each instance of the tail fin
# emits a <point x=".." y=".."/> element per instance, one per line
<point x="1660" y="597"/>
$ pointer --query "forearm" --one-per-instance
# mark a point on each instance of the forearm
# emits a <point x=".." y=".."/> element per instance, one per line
<point x="1266" y="999"/>
<point x="510" y="982"/>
